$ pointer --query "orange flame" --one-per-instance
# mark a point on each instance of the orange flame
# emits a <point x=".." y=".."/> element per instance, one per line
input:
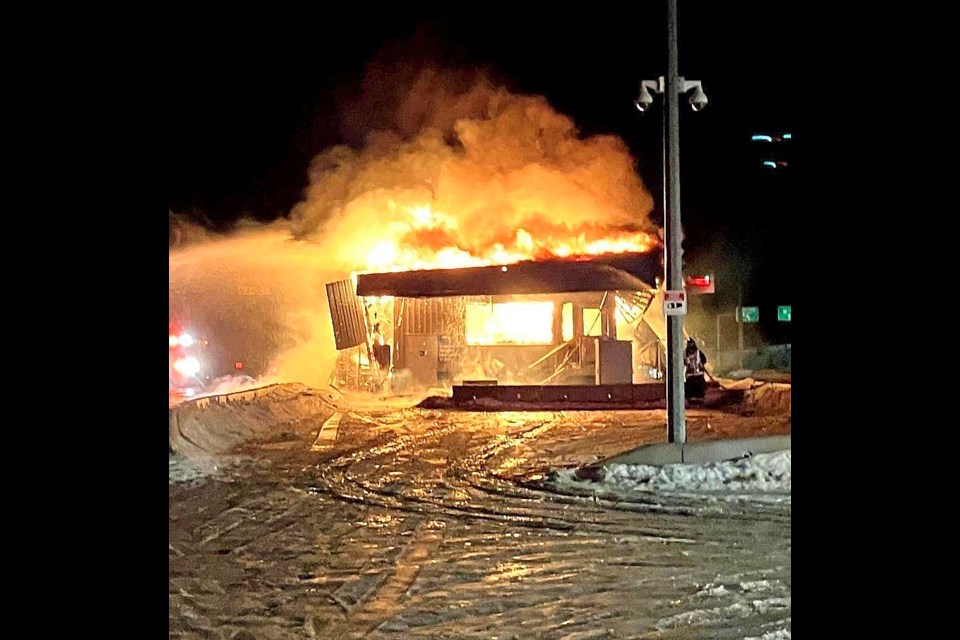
<point x="428" y="239"/>
<point x="481" y="176"/>
<point x="509" y="323"/>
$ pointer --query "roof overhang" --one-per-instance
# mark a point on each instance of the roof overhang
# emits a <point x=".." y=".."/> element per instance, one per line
<point x="617" y="272"/>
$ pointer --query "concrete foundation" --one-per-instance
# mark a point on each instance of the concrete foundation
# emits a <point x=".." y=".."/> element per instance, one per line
<point x="599" y="394"/>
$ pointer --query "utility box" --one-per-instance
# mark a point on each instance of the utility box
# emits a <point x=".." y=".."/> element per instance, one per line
<point x="421" y="358"/>
<point x="614" y="362"/>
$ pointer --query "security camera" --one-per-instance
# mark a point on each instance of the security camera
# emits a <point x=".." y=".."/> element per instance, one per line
<point x="643" y="102"/>
<point x="698" y="99"/>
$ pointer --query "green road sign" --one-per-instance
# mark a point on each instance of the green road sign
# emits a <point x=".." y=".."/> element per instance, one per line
<point x="749" y="315"/>
<point x="783" y="313"/>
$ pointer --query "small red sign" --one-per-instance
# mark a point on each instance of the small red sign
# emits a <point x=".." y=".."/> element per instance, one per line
<point x="700" y="284"/>
<point x="238" y="365"/>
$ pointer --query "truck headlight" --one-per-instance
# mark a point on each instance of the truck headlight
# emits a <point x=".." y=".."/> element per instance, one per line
<point x="189" y="366"/>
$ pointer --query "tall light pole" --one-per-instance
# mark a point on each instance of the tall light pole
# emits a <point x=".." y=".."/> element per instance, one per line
<point x="671" y="87"/>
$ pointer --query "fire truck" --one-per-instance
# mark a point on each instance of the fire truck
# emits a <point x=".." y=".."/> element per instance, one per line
<point x="187" y="372"/>
<point x="200" y="366"/>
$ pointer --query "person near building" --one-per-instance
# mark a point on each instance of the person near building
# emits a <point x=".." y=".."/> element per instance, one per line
<point x="695" y="386"/>
<point x="383" y="356"/>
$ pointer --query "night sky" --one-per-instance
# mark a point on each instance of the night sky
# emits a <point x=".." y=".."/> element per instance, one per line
<point x="252" y="98"/>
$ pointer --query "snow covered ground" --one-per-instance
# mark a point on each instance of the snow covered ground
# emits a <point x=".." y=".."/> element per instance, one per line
<point x="414" y="523"/>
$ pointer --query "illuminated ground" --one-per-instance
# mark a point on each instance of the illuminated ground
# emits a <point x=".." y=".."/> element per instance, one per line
<point x="405" y="523"/>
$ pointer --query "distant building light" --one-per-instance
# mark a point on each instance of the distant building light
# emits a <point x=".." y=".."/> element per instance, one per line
<point x="786" y="136"/>
<point x="761" y="138"/>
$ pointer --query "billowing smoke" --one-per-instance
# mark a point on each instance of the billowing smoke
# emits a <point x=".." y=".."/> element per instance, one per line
<point x="257" y="297"/>
<point x="186" y="230"/>
<point x="454" y="166"/>
<point x="488" y="174"/>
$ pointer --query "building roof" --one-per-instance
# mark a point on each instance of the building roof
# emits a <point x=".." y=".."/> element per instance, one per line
<point x="620" y="272"/>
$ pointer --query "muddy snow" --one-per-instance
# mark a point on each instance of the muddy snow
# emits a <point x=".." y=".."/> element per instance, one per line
<point x="298" y="513"/>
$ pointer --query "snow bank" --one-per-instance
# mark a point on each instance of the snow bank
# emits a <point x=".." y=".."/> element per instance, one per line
<point x="762" y="473"/>
<point x="779" y="634"/>
<point x="231" y="384"/>
<point x="738" y="383"/>
<point x="203" y="429"/>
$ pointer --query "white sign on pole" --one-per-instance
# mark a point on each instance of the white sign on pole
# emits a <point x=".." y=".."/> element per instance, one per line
<point x="675" y="303"/>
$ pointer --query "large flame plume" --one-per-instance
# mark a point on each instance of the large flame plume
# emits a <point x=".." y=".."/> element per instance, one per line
<point x="510" y="179"/>
<point x="465" y="173"/>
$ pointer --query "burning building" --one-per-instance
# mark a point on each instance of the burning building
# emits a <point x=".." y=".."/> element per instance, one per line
<point x="584" y="321"/>
<point x="496" y="244"/>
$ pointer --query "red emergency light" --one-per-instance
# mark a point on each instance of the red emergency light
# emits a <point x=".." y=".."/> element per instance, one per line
<point x="238" y="365"/>
<point x="700" y="284"/>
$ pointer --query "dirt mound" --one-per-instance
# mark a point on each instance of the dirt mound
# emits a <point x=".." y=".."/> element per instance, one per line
<point x="768" y="398"/>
